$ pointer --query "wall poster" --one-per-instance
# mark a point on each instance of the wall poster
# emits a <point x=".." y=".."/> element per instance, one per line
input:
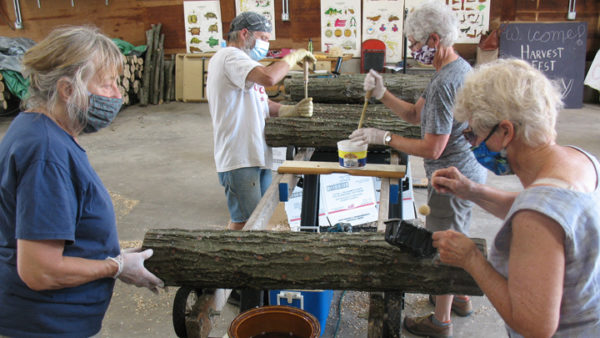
<point x="340" y="25"/>
<point x="383" y="20"/>
<point x="203" y="28"/>
<point x="264" y="7"/>
<point x="473" y="17"/>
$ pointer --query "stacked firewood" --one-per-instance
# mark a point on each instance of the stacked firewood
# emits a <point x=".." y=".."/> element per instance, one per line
<point x="157" y="85"/>
<point x="5" y="97"/>
<point x="130" y="82"/>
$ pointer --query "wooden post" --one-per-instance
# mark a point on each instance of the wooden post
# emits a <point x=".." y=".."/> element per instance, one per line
<point x="144" y="92"/>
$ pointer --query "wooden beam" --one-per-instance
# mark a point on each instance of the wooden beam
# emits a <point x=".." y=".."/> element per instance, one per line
<point x="323" y="168"/>
<point x="264" y="210"/>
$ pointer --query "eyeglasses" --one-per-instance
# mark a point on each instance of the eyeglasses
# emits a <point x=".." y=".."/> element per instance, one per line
<point x="471" y="137"/>
<point x="413" y="45"/>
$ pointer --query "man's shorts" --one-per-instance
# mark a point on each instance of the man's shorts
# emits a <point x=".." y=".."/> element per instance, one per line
<point x="244" y="188"/>
<point x="447" y="212"/>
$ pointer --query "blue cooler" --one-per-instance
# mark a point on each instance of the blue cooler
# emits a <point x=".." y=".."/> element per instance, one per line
<point x="316" y="302"/>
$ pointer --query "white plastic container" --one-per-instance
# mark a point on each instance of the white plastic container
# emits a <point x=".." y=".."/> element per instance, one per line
<point x="352" y="154"/>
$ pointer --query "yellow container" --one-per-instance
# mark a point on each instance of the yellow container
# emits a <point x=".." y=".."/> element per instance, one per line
<point x="352" y="154"/>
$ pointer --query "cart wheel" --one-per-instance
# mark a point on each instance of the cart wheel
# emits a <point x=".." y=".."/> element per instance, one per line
<point x="185" y="298"/>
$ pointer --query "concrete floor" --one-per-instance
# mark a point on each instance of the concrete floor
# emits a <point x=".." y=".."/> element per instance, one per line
<point x="157" y="163"/>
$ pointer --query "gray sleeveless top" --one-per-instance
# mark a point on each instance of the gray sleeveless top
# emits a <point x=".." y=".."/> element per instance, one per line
<point x="579" y="215"/>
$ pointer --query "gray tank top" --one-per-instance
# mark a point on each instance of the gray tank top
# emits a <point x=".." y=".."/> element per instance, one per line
<point x="578" y="213"/>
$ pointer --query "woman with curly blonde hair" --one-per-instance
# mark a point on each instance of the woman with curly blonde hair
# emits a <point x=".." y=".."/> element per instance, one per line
<point x="543" y="273"/>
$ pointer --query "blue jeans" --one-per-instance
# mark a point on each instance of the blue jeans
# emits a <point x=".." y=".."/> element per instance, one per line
<point x="244" y="188"/>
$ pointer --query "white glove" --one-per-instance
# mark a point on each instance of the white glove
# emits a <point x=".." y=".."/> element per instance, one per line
<point x="298" y="56"/>
<point x="374" y="82"/>
<point x="303" y="108"/>
<point x="134" y="272"/>
<point x="369" y="136"/>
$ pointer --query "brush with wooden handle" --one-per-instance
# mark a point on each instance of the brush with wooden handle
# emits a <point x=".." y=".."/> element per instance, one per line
<point x="306" y="64"/>
<point x="362" y="114"/>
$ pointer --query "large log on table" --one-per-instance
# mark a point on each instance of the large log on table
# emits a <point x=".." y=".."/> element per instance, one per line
<point x="331" y="123"/>
<point x="348" y="88"/>
<point x="299" y="260"/>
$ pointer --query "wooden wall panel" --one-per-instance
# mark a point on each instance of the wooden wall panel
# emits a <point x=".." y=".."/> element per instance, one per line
<point x="527" y="5"/>
<point x="129" y="19"/>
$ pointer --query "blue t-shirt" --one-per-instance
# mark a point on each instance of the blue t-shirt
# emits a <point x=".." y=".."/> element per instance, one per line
<point x="49" y="191"/>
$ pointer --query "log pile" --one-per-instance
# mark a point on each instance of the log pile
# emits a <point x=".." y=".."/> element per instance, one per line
<point x="130" y="81"/>
<point x="331" y="123"/>
<point x="299" y="260"/>
<point x="158" y="85"/>
<point x="5" y="95"/>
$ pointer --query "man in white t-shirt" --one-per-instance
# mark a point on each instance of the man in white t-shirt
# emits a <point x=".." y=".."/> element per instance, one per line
<point x="239" y="105"/>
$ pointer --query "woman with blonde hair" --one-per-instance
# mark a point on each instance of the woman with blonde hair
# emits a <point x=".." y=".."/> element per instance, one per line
<point x="543" y="273"/>
<point x="59" y="248"/>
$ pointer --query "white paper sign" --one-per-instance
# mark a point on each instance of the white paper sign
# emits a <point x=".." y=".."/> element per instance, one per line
<point x="340" y="25"/>
<point x="383" y="20"/>
<point x="264" y="7"/>
<point x="203" y="28"/>
<point x="592" y="78"/>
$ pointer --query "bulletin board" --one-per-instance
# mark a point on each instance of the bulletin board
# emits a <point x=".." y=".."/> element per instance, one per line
<point x="203" y="28"/>
<point x="264" y="7"/>
<point x="557" y="49"/>
<point x="383" y="20"/>
<point x="341" y="25"/>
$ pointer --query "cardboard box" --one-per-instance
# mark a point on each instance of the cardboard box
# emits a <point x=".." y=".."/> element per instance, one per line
<point x="190" y="77"/>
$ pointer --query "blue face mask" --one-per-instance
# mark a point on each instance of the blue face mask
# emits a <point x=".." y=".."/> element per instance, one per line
<point x="496" y="162"/>
<point x="260" y="50"/>
<point x="101" y="112"/>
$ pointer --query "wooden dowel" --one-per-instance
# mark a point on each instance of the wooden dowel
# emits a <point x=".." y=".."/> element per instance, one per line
<point x="306" y="78"/>
<point x="362" y="114"/>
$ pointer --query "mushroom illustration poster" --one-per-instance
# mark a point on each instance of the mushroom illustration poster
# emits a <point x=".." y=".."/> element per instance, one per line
<point x="264" y="7"/>
<point x="340" y="25"/>
<point x="203" y="29"/>
<point x="473" y="17"/>
<point x="383" y="20"/>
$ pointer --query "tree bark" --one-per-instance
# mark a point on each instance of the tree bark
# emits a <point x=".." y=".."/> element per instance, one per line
<point x="331" y="123"/>
<point x="348" y="88"/>
<point x="280" y="260"/>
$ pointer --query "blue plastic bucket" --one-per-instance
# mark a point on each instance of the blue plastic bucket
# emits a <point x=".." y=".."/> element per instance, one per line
<point x="316" y="302"/>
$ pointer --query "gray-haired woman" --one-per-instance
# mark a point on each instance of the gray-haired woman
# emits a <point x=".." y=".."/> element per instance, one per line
<point x="432" y="30"/>
<point x="543" y="273"/>
<point x="59" y="249"/>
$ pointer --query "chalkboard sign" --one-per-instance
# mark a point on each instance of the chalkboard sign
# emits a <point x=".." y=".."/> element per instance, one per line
<point x="557" y="49"/>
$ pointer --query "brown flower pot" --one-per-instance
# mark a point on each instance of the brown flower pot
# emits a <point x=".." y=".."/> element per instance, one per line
<point x="274" y="322"/>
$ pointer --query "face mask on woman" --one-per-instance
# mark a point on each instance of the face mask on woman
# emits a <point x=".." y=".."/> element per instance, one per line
<point x="260" y="50"/>
<point x="424" y="55"/>
<point x="101" y="112"/>
<point x="496" y="162"/>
